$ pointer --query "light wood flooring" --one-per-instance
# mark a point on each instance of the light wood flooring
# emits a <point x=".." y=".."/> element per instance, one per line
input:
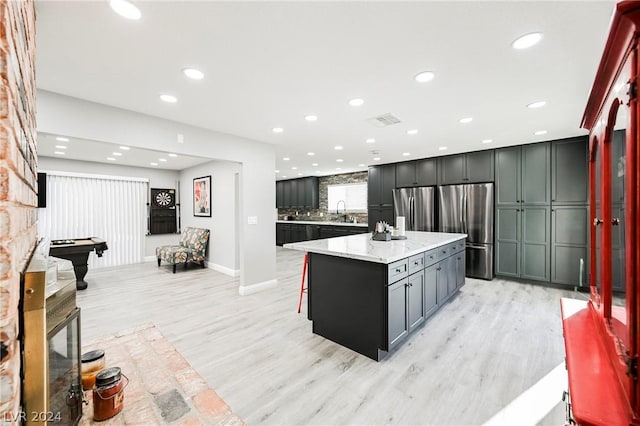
<point x="493" y="341"/>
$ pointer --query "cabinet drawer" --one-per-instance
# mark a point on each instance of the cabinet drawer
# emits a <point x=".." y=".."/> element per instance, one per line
<point x="443" y="251"/>
<point x="458" y="246"/>
<point x="416" y="263"/>
<point x="430" y="257"/>
<point x="398" y="270"/>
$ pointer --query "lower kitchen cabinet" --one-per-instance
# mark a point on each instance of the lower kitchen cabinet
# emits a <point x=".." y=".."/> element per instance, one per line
<point x="398" y="321"/>
<point x="569" y="244"/>
<point x="415" y="299"/>
<point x="297" y="232"/>
<point x="430" y="290"/>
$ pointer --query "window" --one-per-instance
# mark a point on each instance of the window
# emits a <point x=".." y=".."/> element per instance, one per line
<point x="354" y="196"/>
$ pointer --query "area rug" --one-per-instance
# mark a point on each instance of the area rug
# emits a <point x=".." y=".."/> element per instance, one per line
<point x="163" y="388"/>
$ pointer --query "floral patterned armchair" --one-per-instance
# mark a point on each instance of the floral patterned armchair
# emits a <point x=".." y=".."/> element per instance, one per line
<point x="192" y="248"/>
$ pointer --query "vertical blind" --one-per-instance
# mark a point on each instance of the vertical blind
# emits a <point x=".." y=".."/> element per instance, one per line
<point x="106" y="207"/>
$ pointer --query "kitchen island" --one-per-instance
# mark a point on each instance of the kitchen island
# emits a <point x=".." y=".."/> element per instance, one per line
<point x="370" y="295"/>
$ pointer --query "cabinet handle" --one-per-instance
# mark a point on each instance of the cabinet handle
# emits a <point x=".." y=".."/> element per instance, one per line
<point x="438" y="269"/>
<point x="459" y="258"/>
<point x="398" y="270"/>
<point x="615" y="221"/>
<point x="517" y="201"/>
<point x="597" y="221"/>
<point x="415" y="263"/>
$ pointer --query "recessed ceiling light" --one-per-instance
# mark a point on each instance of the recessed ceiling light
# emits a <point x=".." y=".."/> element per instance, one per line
<point x="285" y="159"/>
<point x="406" y="154"/>
<point x="442" y="148"/>
<point x="154" y="164"/>
<point x="311" y="154"/>
<point x="284" y="176"/>
<point x="125" y="148"/>
<point x="536" y="104"/>
<point x="162" y="159"/>
<point x="314" y="164"/>
<point x="466" y="120"/>
<point x="294" y="168"/>
<point x="318" y="172"/>
<point x="311" y="118"/>
<point x="61" y="147"/>
<point x="412" y="132"/>
<point x="540" y="132"/>
<point x="62" y="139"/>
<point x="356" y="102"/>
<point x="425" y="76"/>
<point x="117" y="154"/>
<point x="487" y="140"/>
<point x="125" y="9"/>
<point x="299" y="174"/>
<point x="111" y="159"/>
<point x="376" y="158"/>
<point x="361" y="165"/>
<point x="526" y="40"/>
<point x="277" y="171"/>
<point x="338" y="168"/>
<point x="58" y="152"/>
<point x="173" y="155"/>
<point x="370" y="140"/>
<point x="193" y="73"/>
<point x="339" y="160"/>
<point x="277" y="130"/>
<point x="337" y="148"/>
<point x="169" y="98"/>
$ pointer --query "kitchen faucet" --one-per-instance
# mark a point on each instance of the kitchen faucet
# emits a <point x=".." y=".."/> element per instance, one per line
<point x="345" y="208"/>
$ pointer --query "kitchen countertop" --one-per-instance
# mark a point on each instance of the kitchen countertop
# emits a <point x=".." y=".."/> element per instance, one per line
<point x="318" y="222"/>
<point x="362" y="247"/>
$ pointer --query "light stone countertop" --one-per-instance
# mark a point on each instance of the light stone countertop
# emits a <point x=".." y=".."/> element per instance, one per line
<point x="319" y="222"/>
<point x="362" y="247"/>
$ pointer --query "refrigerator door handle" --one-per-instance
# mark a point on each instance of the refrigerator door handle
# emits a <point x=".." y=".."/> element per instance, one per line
<point x="411" y="212"/>
<point x="464" y="212"/>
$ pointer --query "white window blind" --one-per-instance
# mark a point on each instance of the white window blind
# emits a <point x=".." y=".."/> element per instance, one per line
<point x="353" y="194"/>
<point x="111" y="208"/>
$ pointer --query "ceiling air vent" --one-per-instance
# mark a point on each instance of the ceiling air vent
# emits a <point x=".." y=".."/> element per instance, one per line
<point x="384" y="120"/>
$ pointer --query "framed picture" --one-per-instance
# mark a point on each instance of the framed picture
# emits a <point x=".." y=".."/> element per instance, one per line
<point x="202" y="196"/>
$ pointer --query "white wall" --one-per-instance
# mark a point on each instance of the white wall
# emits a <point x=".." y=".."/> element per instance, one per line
<point x="74" y="117"/>
<point x="223" y="220"/>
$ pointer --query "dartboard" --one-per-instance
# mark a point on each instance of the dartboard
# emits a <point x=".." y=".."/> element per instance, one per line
<point x="164" y="198"/>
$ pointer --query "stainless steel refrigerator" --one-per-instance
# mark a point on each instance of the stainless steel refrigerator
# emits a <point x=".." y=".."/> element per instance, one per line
<point x="417" y="205"/>
<point x="468" y="209"/>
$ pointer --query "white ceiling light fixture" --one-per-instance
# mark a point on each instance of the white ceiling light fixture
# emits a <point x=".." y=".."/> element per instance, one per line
<point x="61" y="147"/>
<point x="299" y="174"/>
<point x="537" y="104"/>
<point x="540" y="132"/>
<point x="370" y="140"/>
<point x="311" y="154"/>
<point x="170" y="99"/>
<point x="154" y="164"/>
<point x="193" y="74"/>
<point x="62" y="139"/>
<point x="361" y="165"/>
<point x="111" y="158"/>
<point x="424" y="77"/>
<point x="412" y="132"/>
<point x="376" y="158"/>
<point x="339" y="160"/>
<point x="59" y="152"/>
<point x="117" y="154"/>
<point x="294" y="168"/>
<point x="356" y="102"/>
<point x="125" y="148"/>
<point x="466" y="120"/>
<point x="314" y="164"/>
<point x="286" y="158"/>
<point x="406" y="154"/>
<point x="162" y="159"/>
<point x="277" y="130"/>
<point x="338" y="148"/>
<point x="277" y="171"/>
<point x="173" y="155"/>
<point x="125" y="9"/>
<point x="526" y="41"/>
<point x="284" y="176"/>
<point x="311" y="118"/>
<point x="487" y="140"/>
<point x="338" y="168"/>
<point x="442" y="148"/>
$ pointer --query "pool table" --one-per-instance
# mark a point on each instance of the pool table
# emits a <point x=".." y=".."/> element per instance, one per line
<point x="77" y="251"/>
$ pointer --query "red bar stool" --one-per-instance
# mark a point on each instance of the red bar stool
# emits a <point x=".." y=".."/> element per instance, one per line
<point x="304" y="273"/>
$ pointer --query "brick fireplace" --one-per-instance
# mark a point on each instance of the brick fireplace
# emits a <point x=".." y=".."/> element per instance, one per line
<point x="18" y="173"/>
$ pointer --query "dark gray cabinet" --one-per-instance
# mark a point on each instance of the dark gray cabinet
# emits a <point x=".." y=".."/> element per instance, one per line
<point x="398" y="321"/>
<point x="523" y="174"/>
<point x="569" y="244"/>
<point x="329" y="231"/>
<point x="415" y="299"/>
<point x="570" y="171"/>
<point x="297" y="193"/>
<point x="380" y="185"/>
<point x="442" y="281"/>
<point x="378" y="214"/>
<point x="522" y="242"/>
<point x="416" y="173"/>
<point x="430" y="290"/>
<point x="296" y="232"/>
<point x="471" y="167"/>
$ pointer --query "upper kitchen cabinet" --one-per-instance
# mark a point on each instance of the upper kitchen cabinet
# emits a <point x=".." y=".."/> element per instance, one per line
<point x="472" y="167"/>
<point x="380" y="185"/>
<point x="523" y="174"/>
<point x="297" y="193"/>
<point x="416" y="173"/>
<point x="570" y="171"/>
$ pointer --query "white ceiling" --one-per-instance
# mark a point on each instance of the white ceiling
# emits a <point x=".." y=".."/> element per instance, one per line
<point x="268" y="64"/>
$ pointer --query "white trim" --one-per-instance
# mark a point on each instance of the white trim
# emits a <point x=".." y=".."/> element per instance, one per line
<point x="90" y="176"/>
<point x="223" y="269"/>
<point x="244" y="290"/>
